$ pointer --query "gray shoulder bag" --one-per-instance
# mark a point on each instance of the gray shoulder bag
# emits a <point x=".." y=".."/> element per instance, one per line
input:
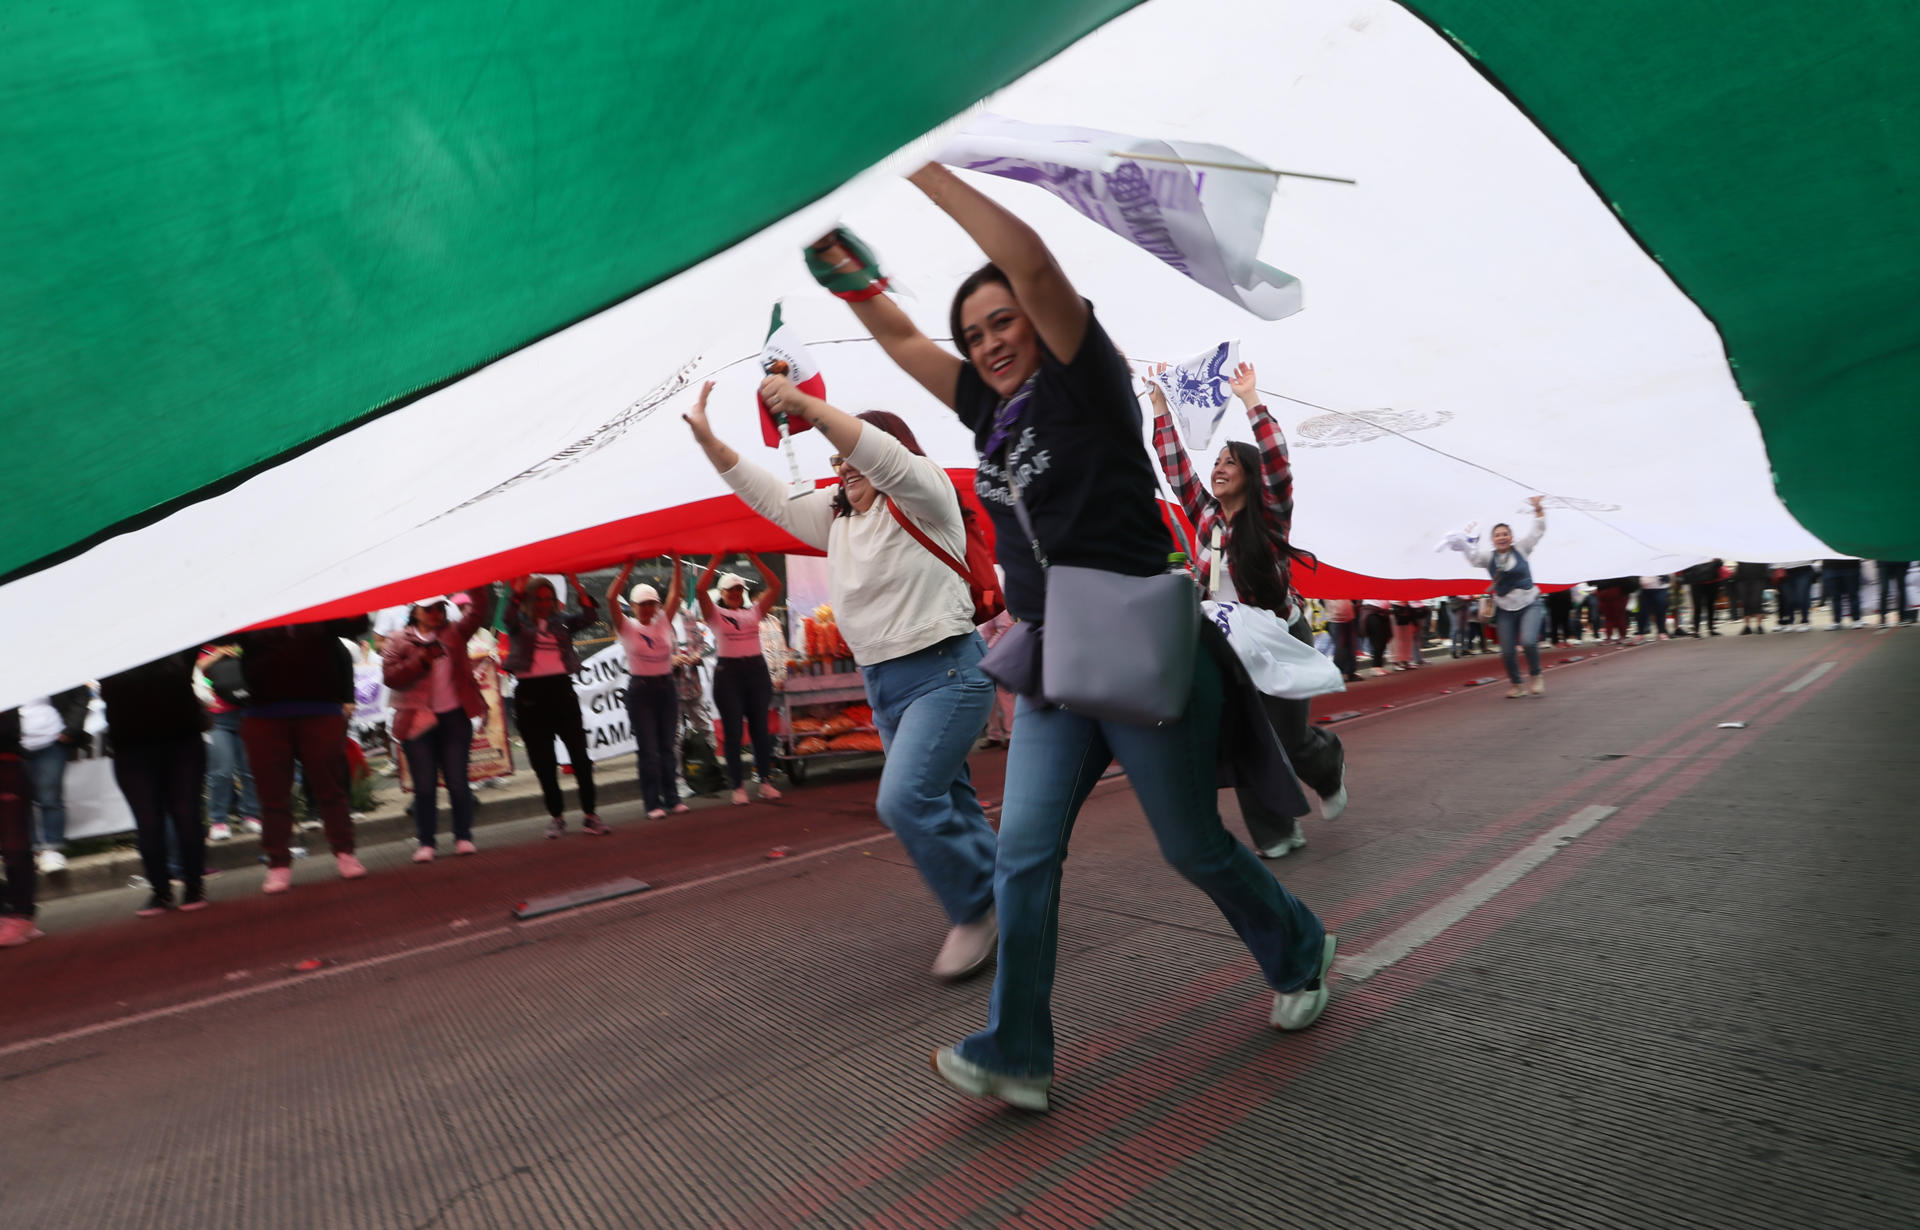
<point x="1116" y="648"/>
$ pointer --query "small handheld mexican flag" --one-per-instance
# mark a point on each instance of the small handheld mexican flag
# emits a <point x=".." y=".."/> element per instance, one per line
<point x="784" y="354"/>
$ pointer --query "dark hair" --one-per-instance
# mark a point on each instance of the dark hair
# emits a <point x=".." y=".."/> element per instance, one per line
<point x="1500" y="525"/>
<point x="1254" y="550"/>
<point x="893" y="425"/>
<point x="984" y="275"/>
<point x="415" y="611"/>
<point x="538" y="584"/>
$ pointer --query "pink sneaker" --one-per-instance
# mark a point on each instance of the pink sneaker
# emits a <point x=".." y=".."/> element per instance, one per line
<point x="593" y="827"/>
<point x="423" y="855"/>
<point x="350" y="867"/>
<point x="739" y="796"/>
<point x="465" y="847"/>
<point x="658" y="813"/>
<point x="768" y="794"/>
<point x="279" y="880"/>
<point x="15" y="931"/>
<point x="681" y="809"/>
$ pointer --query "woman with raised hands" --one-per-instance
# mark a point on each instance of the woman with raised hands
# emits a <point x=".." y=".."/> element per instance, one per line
<point x="653" y="702"/>
<point x="742" y="685"/>
<point x="1518" y="608"/>
<point x="1051" y="405"/>
<point x="896" y="545"/>
<point x="1243" y="517"/>
<point x="542" y="660"/>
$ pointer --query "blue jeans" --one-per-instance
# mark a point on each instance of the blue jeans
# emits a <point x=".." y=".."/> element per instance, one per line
<point x="1842" y="586"/>
<point x="1653" y="611"/>
<point x="1056" y="759"/>
<point x="226" y="760"/>
<point x="653" y="711"/>
<point x="930" y="706"/>
<point x="441" y="750"/>
<point x="1796" y="596"/>
<point x="1520" y="629"/>
<point x="47" y="772"/>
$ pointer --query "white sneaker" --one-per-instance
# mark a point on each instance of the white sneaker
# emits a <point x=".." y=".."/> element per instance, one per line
<point x="1332" y="805"/>
<point x="252" y="826"/>
<point x="1286" y="845"/>
<point x="52" y="861"/>
<point x="968" y="949"/>
<point x="222" y="831"/>
<point x="1299" y="1009"/>
<point x="1024" y="1092"/>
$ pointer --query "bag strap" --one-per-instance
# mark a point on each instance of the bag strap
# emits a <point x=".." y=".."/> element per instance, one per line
<point x="1026" y="522"/>
<point x="920" y="536"/>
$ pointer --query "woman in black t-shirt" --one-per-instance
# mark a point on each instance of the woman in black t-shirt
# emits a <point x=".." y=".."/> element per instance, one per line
<point x="1052" y="409"/>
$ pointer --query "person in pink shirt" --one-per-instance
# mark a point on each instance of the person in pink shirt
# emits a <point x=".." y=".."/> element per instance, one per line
<point x="435" y="699"/>
<point x="742" y="688"/>
<point x="653" y="702"/>
<point x="541" y="657"/>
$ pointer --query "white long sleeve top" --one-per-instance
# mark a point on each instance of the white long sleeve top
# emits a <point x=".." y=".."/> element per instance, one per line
<point x="891" y="596"/>
<point x="1480" y="555"/>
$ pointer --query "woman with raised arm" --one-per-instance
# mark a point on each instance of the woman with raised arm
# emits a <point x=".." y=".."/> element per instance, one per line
<point x="653" y="703"/>
<point x="542" y="660"/>
<point x="896" y="546"/>
<point x="1242" y="519"/>
<point x="1517" y="607"/>
<point x="435" y="701"/>
<point x="1052" y="409"/>
<point x="742" y="686"/>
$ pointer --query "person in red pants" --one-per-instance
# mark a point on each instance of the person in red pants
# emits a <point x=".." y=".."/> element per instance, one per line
<point x="300" y="686"/>
<point x="16" y="837"/>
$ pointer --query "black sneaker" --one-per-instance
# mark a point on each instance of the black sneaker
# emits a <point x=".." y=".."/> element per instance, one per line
<point x="195" y="898"/>
<point x="157" y="904"/>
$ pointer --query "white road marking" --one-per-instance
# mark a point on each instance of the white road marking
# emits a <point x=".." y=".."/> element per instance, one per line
<point x="1809" y="677"/>
<point x="365" y="963"/>
<point x="1430" y="925"/>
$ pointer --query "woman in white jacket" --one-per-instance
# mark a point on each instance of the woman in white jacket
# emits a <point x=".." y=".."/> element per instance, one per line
<point x="908" y="617"/>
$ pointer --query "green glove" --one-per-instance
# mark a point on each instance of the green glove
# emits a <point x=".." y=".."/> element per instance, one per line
<point x="853" y="282"/>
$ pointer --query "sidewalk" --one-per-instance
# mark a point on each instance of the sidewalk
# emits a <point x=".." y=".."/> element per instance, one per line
<point x="504" y="801"/>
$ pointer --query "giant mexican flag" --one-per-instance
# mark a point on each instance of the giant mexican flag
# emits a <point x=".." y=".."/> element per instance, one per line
<point x="311" y="307"/>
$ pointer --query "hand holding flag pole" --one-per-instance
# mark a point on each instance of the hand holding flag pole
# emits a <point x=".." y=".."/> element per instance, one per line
<point x="801" y="487"/>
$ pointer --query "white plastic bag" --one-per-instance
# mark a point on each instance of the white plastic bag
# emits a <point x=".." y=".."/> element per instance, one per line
<point x="1280" y="663"/>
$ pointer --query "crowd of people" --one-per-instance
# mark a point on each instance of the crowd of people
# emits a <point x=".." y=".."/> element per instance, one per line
<point x="1072" y="498"/>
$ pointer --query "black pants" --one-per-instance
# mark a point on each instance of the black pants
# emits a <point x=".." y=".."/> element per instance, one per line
<point x="546" y="709"/>
<point x="1379" y="632"/>
<point x="653" y="709"/>
<point x="1704" y="597"/>
<point x="1318" y="759"/>
<point x="1893" y="588"/>
<point x="1560" y="625"/>
<point x="742" y="688"/>
<point x="1346" y="646"/>
<point x="16" y="838"/>
<point x="163" y="779"/>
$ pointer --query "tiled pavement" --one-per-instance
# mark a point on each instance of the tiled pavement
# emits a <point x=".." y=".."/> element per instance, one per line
<point x="1698" y="1011"/>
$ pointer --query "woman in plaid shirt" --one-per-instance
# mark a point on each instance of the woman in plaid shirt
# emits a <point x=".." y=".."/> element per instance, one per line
<point x="1242" y="518"/>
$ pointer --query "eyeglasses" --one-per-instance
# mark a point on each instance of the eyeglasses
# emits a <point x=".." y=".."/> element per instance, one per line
<point x="836" y="461"/>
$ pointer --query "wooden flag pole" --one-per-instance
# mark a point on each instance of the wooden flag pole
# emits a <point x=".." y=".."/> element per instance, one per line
<point x="1230" y="166"/>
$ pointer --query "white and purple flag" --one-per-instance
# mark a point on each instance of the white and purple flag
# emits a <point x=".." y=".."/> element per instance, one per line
<point x="1198" y="390"/>
<point x="1200" y="208"/>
